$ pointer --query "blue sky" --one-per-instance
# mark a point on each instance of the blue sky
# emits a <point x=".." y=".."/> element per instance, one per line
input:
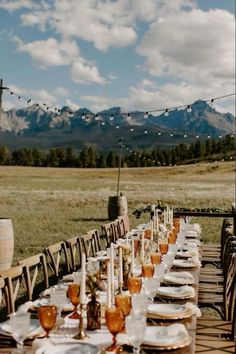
<point x="137" y="54"/>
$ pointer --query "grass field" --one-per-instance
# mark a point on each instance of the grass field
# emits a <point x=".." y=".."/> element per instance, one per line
<point x="47" y="205"/>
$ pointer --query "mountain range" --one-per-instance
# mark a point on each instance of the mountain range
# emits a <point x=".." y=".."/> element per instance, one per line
<point x="36" y="127"/>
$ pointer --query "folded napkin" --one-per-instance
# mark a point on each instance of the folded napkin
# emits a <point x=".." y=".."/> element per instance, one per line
<point x="166" y="336"/>
<point x="195" y="309"/>
<point x="26" y="306"/>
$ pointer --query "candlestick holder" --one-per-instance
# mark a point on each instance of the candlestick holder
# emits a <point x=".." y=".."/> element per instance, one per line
<point x="82" y="333"/>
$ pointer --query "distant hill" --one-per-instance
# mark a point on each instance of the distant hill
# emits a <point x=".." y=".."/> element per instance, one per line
<point x="36" y="127"/>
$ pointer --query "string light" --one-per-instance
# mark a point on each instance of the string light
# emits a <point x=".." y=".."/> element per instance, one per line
<point x="166" y="114"/>
<point x="131" y="129"/>
<point x="159" y="133"/>
<point x="111" y="117"/>
<point x="145" y="131"/>
<point x="189" y="109"/>
<point x="117" y="126"/>
<point x="146" y="115"/>
<point x="83" y="116"/>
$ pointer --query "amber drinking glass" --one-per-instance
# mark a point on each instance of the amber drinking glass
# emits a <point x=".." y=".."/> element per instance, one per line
<point x="123" y="302"/>
<point x="47" y="317"/>
<point x="115" y="323"/>
<point x="163" y="247"/>
<point x="147" y="270"/>
<point x="155" y="257"/>
<point x="73" y="294"/>
<point x="134" y="285"/>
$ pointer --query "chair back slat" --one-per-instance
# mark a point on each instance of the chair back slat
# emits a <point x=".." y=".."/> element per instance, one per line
<point x="57" y="261"/>
<point x="36" y="274"/>
<point x="74" y="253"/>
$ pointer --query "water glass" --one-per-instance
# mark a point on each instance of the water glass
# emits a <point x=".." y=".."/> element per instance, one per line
<point x="139" y="304"/>
<point x="20" y="324"/>
<point x="151" y="286"/>
<point x="135" y="327"/>
<point x="58" y="298"/>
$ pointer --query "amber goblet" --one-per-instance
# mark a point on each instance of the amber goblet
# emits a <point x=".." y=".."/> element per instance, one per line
<point x="123" y="302"/>
<point x="47" y="317"/>
<point x="155" y="257"/>
<point x="134" y="285"/>
<point x="148" y="270"/>
<point x="115" y="323"/>
<point x="163" y="247"/>
<point x="73" y="294"/>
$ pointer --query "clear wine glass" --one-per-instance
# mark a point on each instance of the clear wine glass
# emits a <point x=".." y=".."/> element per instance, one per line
<point x="151" y="286"/>
<point x="135" y="327"/>
<point x="20" y="324"/>
<point x="59" y="299"/>
<point x="139" y="303"/>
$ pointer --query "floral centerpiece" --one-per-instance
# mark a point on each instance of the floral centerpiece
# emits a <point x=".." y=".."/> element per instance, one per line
<point x="93" y="285"/>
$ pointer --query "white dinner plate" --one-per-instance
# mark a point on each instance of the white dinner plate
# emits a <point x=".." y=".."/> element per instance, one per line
<point x="34" y="330"/>
<point x="176" y="292"/>
<point x="166" y="337"/>
<point x="168" y="311"/>
<point x="184" y="263"/>
<point x="182" y="278"/>
<point x="46" y="301"/>
<point x="66" y="348"/>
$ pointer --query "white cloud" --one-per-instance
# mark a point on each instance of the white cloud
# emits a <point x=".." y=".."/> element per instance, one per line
<point x="85" y="72"/>
<point x="13" y="5"/>
<point x="196" y="46"/>
<point x="49" y="52"/>
<point x="61" y="91"/>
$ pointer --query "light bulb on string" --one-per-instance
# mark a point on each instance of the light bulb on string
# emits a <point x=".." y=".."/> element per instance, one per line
<point x="189" y="109"/>
<point x="117" y="126"/>
<point x="171" y="134"/>
<point x="232" y="135"/>
<point x="111" y="117"/>
<point x="131" y="129"/>
<point x="145" y="115"/>
<point x="197" y="136"/>
<point x="185" y="135"/>
<point x="145" y="131"/>
<point x="166" y="112"/>
<point x="220" y="136"/>
<point x="11" y="93"/>
<point x="19" y="97"/>
<point x="103" y="123"/>
<point x="159" y="133"/>
<point x="29" y="100"/>
<point x="83" y="116"/>
<point x="208" y="137"/>
<point x="211" y="104"/>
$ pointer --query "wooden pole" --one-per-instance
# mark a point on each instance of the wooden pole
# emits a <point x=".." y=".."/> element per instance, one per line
<point x="1" y="91"/>
<point x="120" y="160"/>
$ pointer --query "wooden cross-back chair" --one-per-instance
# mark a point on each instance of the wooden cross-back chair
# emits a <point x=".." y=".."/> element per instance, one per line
<point x="57" y="261"/>
<point x="74" y="248"/>
<point x="36" y="274"/>
<point x="4" y="300"/>
<point x="108" y="231"/>
<point x="222" y="302"/>
<point x="90" y="243"/>
<point x="124" y="224"/>
<point x="15" y="287"/>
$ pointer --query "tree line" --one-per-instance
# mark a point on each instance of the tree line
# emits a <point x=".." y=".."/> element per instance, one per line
<point x="89" y="157"/>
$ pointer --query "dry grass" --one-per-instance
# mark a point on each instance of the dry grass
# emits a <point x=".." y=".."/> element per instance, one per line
<point x="48" y="204"/>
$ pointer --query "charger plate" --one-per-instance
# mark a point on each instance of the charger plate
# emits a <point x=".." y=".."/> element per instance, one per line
<point x="170" y="337"/>
<point x="168" y="311"/>
<point x="182" y="278"/>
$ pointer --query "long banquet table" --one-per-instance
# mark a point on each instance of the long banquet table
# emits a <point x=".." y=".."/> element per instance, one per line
<point x="189" y="323"/>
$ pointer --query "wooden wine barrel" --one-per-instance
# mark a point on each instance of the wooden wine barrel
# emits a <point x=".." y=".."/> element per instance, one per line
<point x="117" y="206"/>
<point x="6" y="243"/>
